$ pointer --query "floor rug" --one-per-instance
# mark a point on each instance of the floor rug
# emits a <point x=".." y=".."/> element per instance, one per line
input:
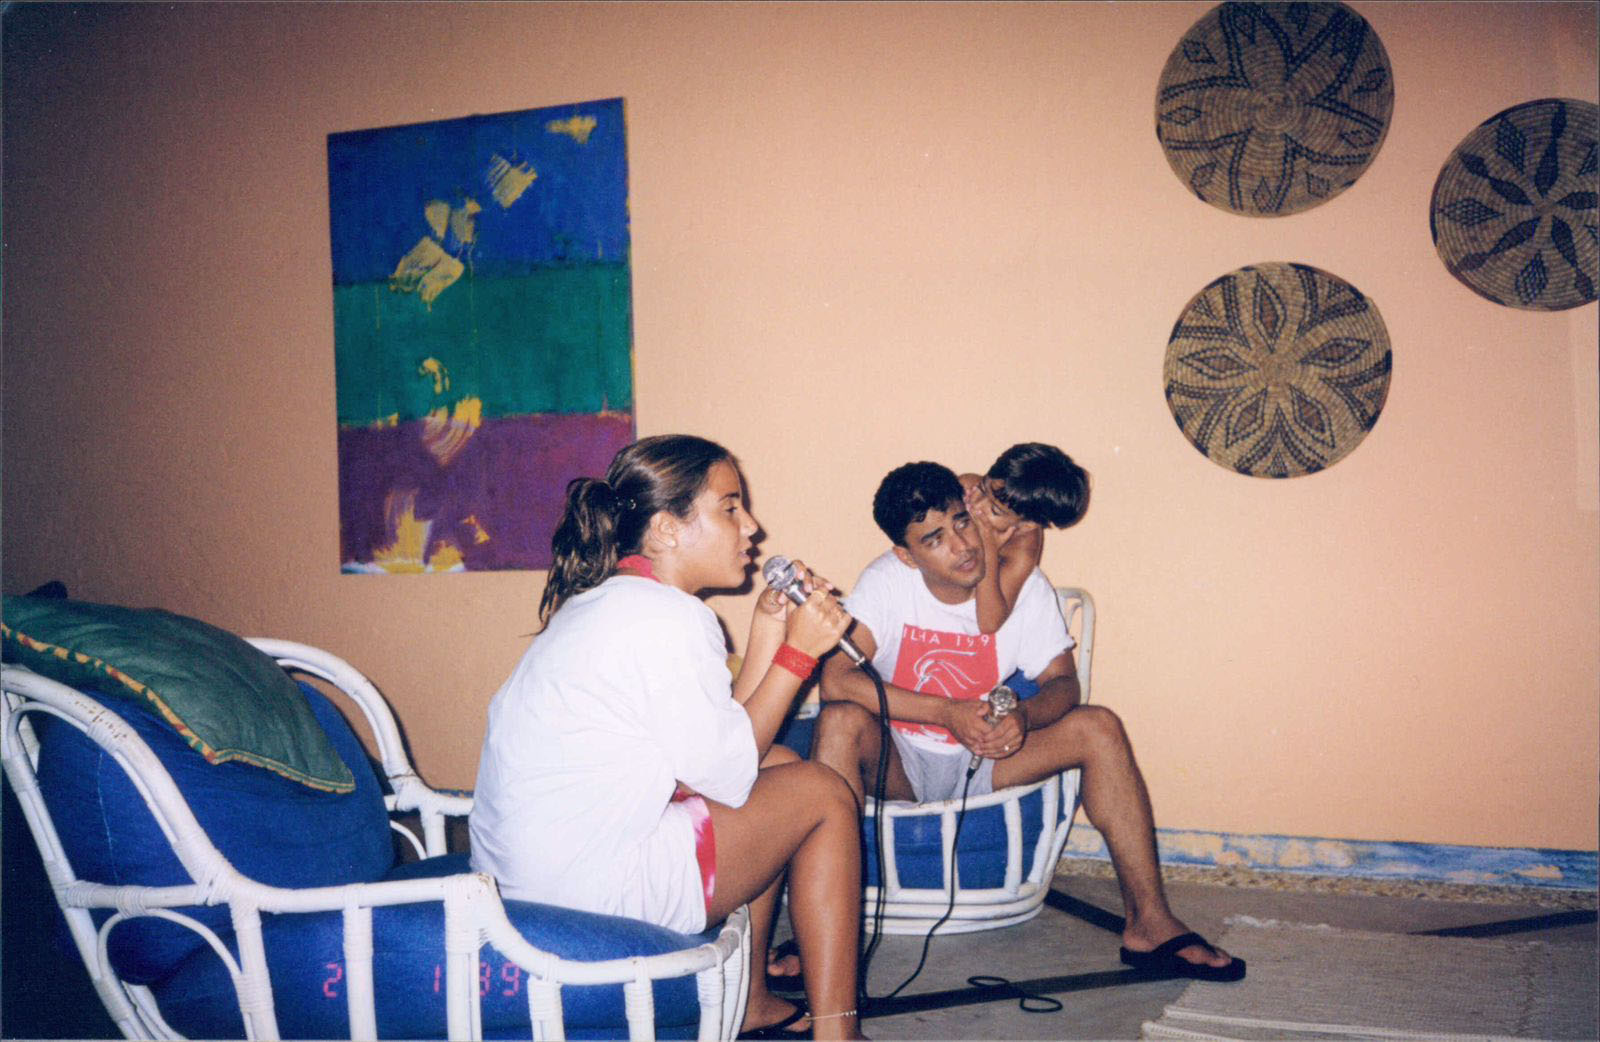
<point x="1318" y="982"/>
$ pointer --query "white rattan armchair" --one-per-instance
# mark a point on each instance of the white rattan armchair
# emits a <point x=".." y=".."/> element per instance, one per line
<point x="474" y="917"/>
<point x="1030" y="833"/>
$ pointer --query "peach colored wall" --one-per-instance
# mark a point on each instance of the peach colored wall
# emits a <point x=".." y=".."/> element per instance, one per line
<point x="862" y="234"/>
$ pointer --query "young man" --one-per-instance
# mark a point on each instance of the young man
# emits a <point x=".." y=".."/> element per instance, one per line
<point x="915" y="618"/>
<point x="1031" y="486"/>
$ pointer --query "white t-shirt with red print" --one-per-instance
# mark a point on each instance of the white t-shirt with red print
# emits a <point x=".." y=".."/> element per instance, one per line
<point x="934" y="648"/>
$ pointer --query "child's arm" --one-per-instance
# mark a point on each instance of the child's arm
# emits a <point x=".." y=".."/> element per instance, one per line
<point x="1019" y="556"/>
<point x="994" y="605"/>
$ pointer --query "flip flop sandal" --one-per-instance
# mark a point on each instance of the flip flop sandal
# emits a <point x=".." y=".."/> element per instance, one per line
<point x="1164" y="959"/>
<point x="780" y="1030"/>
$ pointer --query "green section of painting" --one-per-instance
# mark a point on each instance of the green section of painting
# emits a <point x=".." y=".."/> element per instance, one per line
<point x="556" y="340"/>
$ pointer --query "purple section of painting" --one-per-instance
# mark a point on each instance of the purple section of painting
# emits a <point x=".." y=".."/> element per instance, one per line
<point x="508" y="483"/>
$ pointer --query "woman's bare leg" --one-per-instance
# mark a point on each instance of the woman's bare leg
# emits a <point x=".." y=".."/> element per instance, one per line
<point x="762" y="1007"/>
<point x="803" y="816"/>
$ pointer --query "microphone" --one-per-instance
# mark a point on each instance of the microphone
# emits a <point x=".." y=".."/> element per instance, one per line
<point x="1002" y="700"/>
<point x="780" y="574"/>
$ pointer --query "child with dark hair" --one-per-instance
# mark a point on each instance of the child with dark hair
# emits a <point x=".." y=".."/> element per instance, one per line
<point x="1031" y="487"/>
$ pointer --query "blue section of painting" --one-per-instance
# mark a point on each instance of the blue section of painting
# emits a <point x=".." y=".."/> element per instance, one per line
<point x="383" y="179"/>
<point x="1419" y="862"/>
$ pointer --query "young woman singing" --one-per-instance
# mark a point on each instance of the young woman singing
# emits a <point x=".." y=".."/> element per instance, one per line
<point x="624" y="772"/>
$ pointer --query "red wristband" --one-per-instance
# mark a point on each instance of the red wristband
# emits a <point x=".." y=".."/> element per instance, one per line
<point x="794" y="660"/>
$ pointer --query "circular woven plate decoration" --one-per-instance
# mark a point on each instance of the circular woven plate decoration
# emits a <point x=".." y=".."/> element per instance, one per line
<point x="1277" y="370"/>
<point x="1513" y="213"/>
<point x="1267" y="109"/>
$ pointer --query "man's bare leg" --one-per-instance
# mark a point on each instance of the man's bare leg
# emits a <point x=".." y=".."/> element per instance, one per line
<point x="850" y="740"/>
<point x="1118" y="805"/>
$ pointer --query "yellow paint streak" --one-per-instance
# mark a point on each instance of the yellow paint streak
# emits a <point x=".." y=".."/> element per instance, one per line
<point x="434" y="368"/>
<point x="463" y="221"/>
<point x="437" y="214"/>
<point x="426" y="270"/>
<point x="507" y="182"/>
<point x="391" y="420"/>
<point x="405" y="554"/>
<point x="479" y="534"/>
<point x="445" y="434"/>
<point x="578" y="128"/>
<point x="446" y="556"/>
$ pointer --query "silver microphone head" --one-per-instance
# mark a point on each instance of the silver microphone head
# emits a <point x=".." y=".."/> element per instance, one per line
<point x="778" y="571"/>
<point x="1002" y="700"/>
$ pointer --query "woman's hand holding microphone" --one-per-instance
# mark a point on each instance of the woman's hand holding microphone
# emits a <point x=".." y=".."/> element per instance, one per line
<point x="815" y="626"/>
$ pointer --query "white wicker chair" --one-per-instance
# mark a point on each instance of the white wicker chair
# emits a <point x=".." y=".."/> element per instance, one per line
<point x="1027" y="867"/>
<point x="473" y="914"/>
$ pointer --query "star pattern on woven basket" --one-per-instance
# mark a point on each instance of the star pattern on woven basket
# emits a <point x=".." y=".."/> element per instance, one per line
<point x="1268" y="109"/>
<point x="1514" y="211"/>
<point x="1277" y="370"/>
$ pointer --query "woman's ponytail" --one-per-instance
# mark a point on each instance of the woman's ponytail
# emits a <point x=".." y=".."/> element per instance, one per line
<point x="605" y="520"/>
<point x="584" y="549"/>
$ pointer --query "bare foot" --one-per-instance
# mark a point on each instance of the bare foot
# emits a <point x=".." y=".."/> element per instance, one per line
<point x="786" y="964"/>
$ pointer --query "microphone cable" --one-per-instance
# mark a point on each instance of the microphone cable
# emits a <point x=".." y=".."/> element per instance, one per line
<point x="880" y="783"/>
<point x="949" y="909"/>
<point x="1043" y="1003"/>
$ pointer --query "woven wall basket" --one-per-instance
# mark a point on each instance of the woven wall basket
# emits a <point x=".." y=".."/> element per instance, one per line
<point x="1514" y="210"/>
<point x="1267" y="109"/>
<point x="1277" y="370"/>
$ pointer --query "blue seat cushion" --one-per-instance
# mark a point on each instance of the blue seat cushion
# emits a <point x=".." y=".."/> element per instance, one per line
<point x="271" y="829"/>
<point x="304" y="953"/>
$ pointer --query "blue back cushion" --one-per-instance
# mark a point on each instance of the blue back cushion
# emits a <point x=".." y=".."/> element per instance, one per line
<point x="308" y="972"/>
<point x="271" y="829"/>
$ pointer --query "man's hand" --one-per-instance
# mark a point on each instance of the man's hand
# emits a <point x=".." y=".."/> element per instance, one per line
<point x="969" y="722"/>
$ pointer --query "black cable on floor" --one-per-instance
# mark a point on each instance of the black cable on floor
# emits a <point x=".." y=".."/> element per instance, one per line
<point x="1011" y="989"/>
<point x="1007" y="988"/>
<point x="976" y="996"/>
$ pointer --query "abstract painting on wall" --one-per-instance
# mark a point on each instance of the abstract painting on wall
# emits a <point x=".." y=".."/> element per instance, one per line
<point x="482" y="331"/>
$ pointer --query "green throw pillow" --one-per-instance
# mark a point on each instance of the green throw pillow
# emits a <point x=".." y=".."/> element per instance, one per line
<point x="228" y="700"/>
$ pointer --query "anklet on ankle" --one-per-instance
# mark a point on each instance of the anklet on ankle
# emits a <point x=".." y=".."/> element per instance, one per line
<point x="830" y="1016"/>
